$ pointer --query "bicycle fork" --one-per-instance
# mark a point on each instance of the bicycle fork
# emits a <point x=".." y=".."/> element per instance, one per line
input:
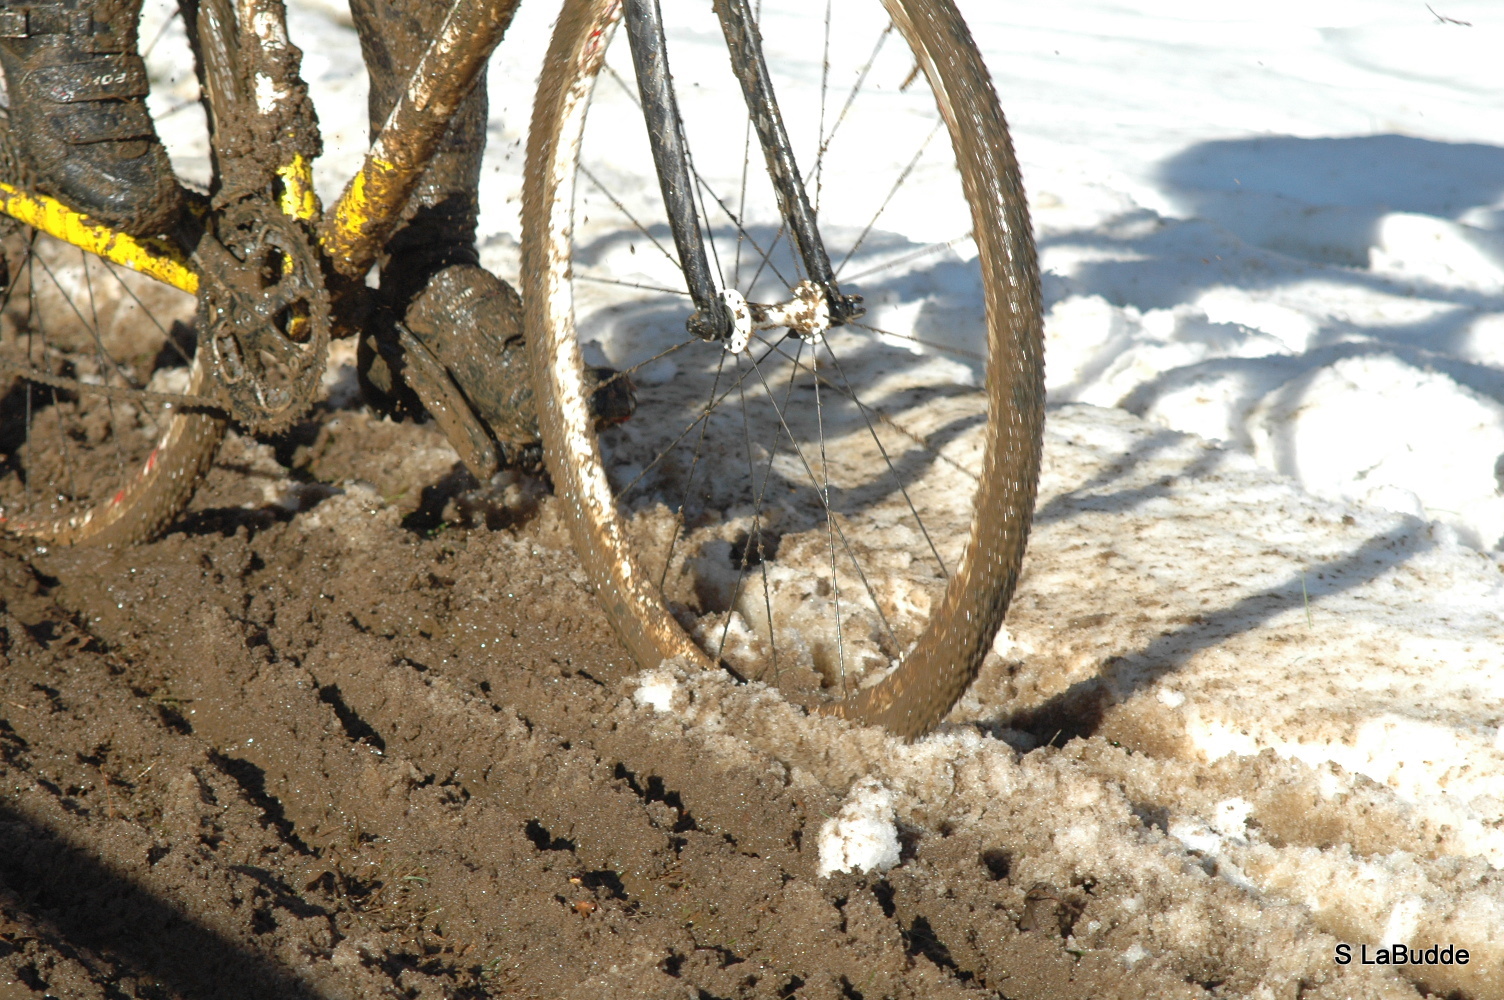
<point x="723" y="314"/>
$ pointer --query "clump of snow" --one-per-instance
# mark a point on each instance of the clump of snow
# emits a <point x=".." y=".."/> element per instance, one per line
<point x="1196" y="835"/>
<point x="1231" y="816"/>
<point x="351" y="512"/>
<point x="341" y="384"/>
<point x="862" y="836"/>
<point x="1006" y="645"/>
<point x="656" y="689"/>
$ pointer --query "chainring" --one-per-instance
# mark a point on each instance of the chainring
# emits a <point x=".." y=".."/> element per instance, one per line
<point x="263" y="312"/>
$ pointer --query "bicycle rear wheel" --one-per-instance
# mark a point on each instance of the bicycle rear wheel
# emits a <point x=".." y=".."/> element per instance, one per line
<point x="95" y="360"/>
<point x="843" y="516"/>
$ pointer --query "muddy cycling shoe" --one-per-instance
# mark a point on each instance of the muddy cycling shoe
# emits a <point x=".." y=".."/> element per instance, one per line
<point x="472" y="322"/>
<point x="78" y="111"/>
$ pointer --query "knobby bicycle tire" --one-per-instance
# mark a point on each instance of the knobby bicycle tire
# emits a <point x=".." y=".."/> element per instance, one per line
<point x="93" y="449"/>
<point x="688" y="563"/>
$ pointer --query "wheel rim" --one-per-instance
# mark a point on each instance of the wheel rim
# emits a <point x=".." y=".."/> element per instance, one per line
<point x="79" y="465"/>
<point x="881" y="475"/>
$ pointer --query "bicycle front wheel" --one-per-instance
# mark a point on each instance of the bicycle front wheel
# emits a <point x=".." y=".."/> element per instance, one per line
<point x="842" y="515"/>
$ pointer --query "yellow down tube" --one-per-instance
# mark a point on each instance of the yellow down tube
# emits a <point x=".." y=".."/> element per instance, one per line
<point x="156" y="258"/>
<point x="153" y="257"/>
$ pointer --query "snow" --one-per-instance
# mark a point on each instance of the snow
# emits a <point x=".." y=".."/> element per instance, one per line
<point x="656" y="690"/>
<point x="862" y="835"/>
<point x="1285" y="231"/>
<point x="1268" y="548"/>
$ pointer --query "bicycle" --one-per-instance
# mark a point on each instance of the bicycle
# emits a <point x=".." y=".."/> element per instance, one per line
<point x="828" y="494"/>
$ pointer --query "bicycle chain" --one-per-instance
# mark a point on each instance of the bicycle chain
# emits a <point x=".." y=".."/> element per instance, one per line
<point x="118" y="393"/>
<point x="263" y="314"/>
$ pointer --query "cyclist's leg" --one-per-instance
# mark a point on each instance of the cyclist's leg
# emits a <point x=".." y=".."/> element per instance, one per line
<point x="77" y="90"/>
<point x="430" y="273"/>
<point x="440" y="218"/>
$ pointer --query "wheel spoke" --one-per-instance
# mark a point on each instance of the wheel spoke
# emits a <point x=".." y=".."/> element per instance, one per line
<point x="830" y="541"/>
<point x="35" y="320"/>
<point x="923" y="251"/>
<point x="689" y="480"/>
<point x="913" y="162"/>
<point x="756" y="533"/>
<point x="631" y="284"/>
<point x="829" y="513"/>
<point x="99" y="354"/>
<point x="627" y="372"/>
<point x="93" y="329"/>
<point x="164" y="331"/>
<point x="885" y="418"/>
<point x="710" y="407"/>
<point x="856" y="89"/>
<point x="863" y="409"/>
<point x="824" y="94"/>
<point x="932" y="344"/>
<point x="161" y="33"/>
<point x="631" y="218"/>
<point x="742" y="233"/>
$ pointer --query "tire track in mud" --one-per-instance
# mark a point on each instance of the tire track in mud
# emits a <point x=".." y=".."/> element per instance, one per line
<point x="395" y="777"/>
<point x="372" y="763"/>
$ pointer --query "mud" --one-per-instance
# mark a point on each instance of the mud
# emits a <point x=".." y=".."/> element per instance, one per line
<point x="322" y="740"/>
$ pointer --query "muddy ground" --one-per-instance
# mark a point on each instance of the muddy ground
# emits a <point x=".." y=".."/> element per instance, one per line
<point x="351" y="731"/>
<point x="362" y="750"/>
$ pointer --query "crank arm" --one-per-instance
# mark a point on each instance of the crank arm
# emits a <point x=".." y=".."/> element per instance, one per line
<point x="426" y="376"/>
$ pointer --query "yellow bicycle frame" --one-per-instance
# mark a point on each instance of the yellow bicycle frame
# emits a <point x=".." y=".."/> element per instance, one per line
<point x="156" y="258"/>
<point x="352" y="233"/>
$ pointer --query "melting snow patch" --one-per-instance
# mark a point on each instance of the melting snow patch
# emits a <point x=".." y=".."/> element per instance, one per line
<point x="1196" y="836"/>
<point x="1231" y="817"/>
<point x="1170" y="698"/>
<point x="862" y="836"/>
<point x="1403" y="920"/>
<point x="1007" y="646"/>
<point x="656" y="689"/>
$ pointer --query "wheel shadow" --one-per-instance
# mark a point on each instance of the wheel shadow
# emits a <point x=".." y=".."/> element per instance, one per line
<point x="1080" y="709"/>
<point x="931" y="293"/>
<point x="1119" y="489"/>
<point x="1261" y="217"/>
<point x="1322" y="199"/>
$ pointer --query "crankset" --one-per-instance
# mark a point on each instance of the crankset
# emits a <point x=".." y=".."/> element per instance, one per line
<point x="263" y="313"/>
